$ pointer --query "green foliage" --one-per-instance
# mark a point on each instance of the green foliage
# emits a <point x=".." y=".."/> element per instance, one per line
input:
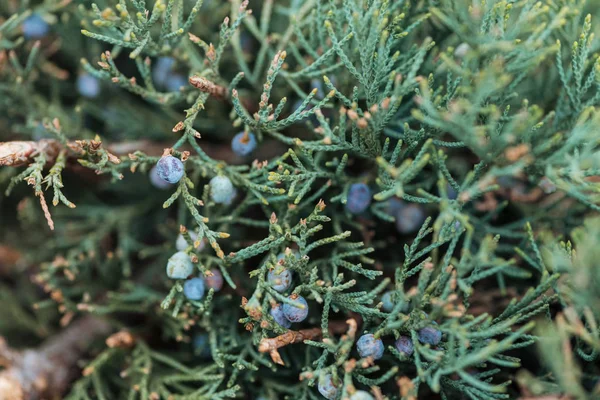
<point x="475" y="111"/>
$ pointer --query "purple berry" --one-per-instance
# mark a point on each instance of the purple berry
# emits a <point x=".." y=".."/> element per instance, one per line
<point x="170" y="169"/>
<point x="243" y="143"/>
<point x="159" y="182"/>
<point x="179" y="266"/>
<point x="35" y="27"/>
<point x="404" y="346"/>
<point x="368" y="346"/>
<point x="181" y="244"/>
<point x="293" y="313"/>
<point x="361" y="395"/>
<point x="394" y="205"/>
<point x="359" y="198"/>
<point x="280" y="278"/>
<point x="221" y="190"/>
<point x="327" y="387"/>
<point x="429" y="335"/>
<point x="215" y="281"/>
<point x="277" y="314"/>
<point x="410" y="218"/>
<point x="88" y="86"/>
<point x="194" y="289"/>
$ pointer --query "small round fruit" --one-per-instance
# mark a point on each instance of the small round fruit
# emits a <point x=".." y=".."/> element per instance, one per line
<point x="359" y="198"/>
<point x="404" y="346"/>
<point x="182" y="244"/>
<point x="179" y="266"/>
<point x="277" y="314"/>
<point x="293" y="313"/>
<point x="214" y="282"/>
<point x="280" y="278"/>
<point x="221" y="189"/>
<point x="157" y="181"/>
<point x="429" y="335"/>
<point x="327" y="387"/>
<point x="35" y="27"/>
<point x="88" y="86"/>
<point x="194" y="289"/>
<point x="410" y="218"/>
<point x="243" y="143"/>
<point x="170" y="169"/>
<point x="361" y="395"/>
<point x="368" y="346"/>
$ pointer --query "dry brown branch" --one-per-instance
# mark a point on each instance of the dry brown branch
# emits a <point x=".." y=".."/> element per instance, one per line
<point x="271" y="345"/>
<point x="206" y="86"/>
<point x="46" y="372"/>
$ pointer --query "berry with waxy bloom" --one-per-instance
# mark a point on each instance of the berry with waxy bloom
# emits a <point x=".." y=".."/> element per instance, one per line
<point x="159" y="182"/>
<point x="327" y="387"/>
<point x="410" y="218"/>
<point x="404" y="346"/>
<point x="429" y="335"/>
<point x="294" y="313"/>
<point x="170" y="169"/>
<point x="280" y="278"/>
<point x="243" y="143"/>
<point x="35" y="27"/>
<point x="88" y="86"/>
<point x="215" y="281"/>
<point x="221" y="189"/>
<point x="361" y="395"/>
<point x="368" y="346"/>
<point x="277" y="314"/>
<point x="179" y="266"/>
<point x="359" y="198"/>
<point x="194" y="289"/>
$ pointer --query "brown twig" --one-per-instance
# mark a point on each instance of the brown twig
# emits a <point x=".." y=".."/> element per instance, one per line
<point x="206" y="86"/>
<point x="46" y="372"/>
<point x="271" y="345"/>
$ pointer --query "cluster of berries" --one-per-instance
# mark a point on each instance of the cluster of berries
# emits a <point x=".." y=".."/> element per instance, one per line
<point x="180" y="266"/>
<point x="280" y="278"/>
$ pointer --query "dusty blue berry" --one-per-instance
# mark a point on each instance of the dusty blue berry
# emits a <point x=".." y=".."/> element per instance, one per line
<point x="215" y="281"/>
<point x="451" y="192"/>
<point x="359" y="198"/>
<point x="182" y="244"/>
<point x="194" y="289"/>
<point x="35" y="27"/>
<point x="243" y="143"/>
<point x="404" y="346"/>
<point x="179" y="266"/>
<point x="221" y="189"/>
<point x="293" y="313"/>
<point x="368" y="346"/>
<point x="201" y="345"/>
<point x="388" y="302"/>
<point x="429" y="335"/>
<point x="280" y="278"/>
<point x="88" y="86"/>
<point x="159" y="182"/>
<point x="175" y="82"/>
<point x="327" y="387"/>
<point x="277" y="314"/>
<point x="410" y="218"/>
<point x="170" y="169"/>
<point x="162" y="70"/>
<point x="361" y="395"/>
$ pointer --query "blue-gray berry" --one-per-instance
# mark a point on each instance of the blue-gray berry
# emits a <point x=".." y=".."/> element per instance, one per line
<point x="277" y="314"/>
<point x="175" y="82"/>
<point x="215" y="281"/>
<point x="201" y="345"/>
<point x="429" y="335"/>
<point x="359" y="198"/>
<point x="88" y="85"/>
<point x="170" y="169"/>
<point x="35" y="27"/>
<point x="182" y="244"/>
<point x="361" y="395"/>
<point x="280" y="278"/>
<point x="293" y="313"/>
<point x="388" y="301"/>
<point x="194" y="289"/>
<point x="159" y="182"/>
<point x="221" y="190"/>
<point x="179" y="266"/>
<point x="368" y="346"/>
<point x="410" y="218"/>
<point x="327" y="387"/>
<point x="162" y="70"/>
<point x="243" y="143"/>
<point x="404" y="346"/>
